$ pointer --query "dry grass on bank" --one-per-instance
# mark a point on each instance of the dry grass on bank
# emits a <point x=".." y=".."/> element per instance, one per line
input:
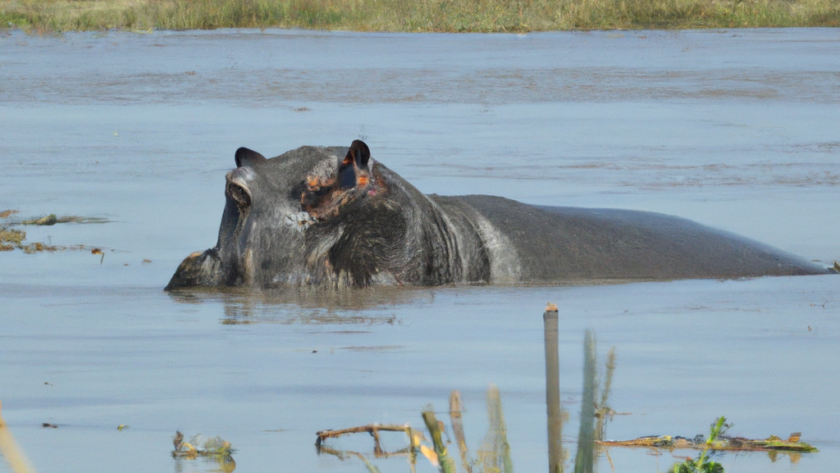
<point x="416" y="15"/>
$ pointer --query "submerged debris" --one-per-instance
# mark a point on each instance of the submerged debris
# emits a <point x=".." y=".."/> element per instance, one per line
<point x="492" y="457"/>
<point x="723" y="443"/>
<point x="11" y="238"/>
<point x="372" y="429"/>
<point x="51" y="219"/>
<point x="213" y="447"/>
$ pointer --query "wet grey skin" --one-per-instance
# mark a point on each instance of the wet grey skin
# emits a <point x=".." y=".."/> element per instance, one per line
<point x="335" y="217"/>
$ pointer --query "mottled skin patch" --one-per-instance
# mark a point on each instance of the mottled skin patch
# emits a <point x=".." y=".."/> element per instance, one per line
<point x="335" y="217"/>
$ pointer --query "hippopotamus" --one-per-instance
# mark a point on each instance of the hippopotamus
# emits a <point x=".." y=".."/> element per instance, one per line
<point x="336" y="217"/>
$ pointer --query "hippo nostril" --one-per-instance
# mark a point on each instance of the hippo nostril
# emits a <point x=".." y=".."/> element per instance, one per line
<point x="239" y="194"/>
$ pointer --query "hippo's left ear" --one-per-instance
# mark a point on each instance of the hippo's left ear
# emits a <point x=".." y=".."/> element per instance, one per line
<point x="354" y="166"/>
<point x="248" y="157"/>
<point x="358" y="152"/>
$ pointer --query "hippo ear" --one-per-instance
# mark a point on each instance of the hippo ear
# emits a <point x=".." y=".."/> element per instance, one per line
<point x="323" y="198"/>
<point x="356" y="160"/>
<point x="247" y="157"/>
<point x="360" y="152"/>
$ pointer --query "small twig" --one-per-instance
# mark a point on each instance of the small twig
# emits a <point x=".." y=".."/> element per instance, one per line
<point x="377" y="447"/>
<point x="455" y="408"/>
<point x="371" y="428"/>
<point x="607" y="452"/>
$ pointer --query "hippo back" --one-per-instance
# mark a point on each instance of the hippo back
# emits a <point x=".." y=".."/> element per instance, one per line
<point x="565" y="244"/>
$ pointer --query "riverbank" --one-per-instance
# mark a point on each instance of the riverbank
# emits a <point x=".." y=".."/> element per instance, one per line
<point x="416" y="15"/>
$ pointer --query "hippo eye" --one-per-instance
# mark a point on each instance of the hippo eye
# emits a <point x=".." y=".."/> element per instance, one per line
<point x="239" y="194"/>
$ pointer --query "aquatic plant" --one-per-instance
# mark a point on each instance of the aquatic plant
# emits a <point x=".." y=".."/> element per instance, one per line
<point x="603" y="412"/>
<point x="447" y="464"/>
<point x="585" y="457"/>
<point x="416" y="15"/>
<point x="11" y="238"/>
<point x="702" y="464"/>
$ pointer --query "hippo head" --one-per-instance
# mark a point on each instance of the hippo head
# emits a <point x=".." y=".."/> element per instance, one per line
<point x="312" y="216"/>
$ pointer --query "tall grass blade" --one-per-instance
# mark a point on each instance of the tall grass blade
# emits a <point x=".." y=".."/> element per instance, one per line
<point x="586" y="436"/>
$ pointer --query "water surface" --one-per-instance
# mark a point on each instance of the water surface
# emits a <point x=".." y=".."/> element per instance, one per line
<point x="735" y="129"/>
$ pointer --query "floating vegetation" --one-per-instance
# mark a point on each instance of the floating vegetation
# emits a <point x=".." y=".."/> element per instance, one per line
<point x="11" y="239"/>
<point x="48" y="220"/>
<point x="719" y="443"/>
<point x="51" y="219"/>
<point x="215" y="448"/>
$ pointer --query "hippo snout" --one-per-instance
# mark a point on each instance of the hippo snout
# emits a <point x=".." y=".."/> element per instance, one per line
<point x="197" y="269"/>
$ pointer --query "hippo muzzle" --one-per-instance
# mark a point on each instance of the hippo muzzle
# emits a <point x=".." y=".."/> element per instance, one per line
<point x="197" y="269"/>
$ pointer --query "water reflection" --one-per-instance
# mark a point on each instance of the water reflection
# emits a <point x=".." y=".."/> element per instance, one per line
<point x="494" y="454"/>
<point x="211" y="465"/>
<point x="306" y="306"/>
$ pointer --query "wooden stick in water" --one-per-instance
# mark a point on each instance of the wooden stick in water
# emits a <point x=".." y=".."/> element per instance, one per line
<point x="455" y="408"/>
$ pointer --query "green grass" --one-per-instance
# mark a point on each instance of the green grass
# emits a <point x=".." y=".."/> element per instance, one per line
<point x="702" y="464"/>
<point x="415" y="15"/>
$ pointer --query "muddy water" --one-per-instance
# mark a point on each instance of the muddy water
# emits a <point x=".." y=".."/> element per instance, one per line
<point x="735" y="129"/>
